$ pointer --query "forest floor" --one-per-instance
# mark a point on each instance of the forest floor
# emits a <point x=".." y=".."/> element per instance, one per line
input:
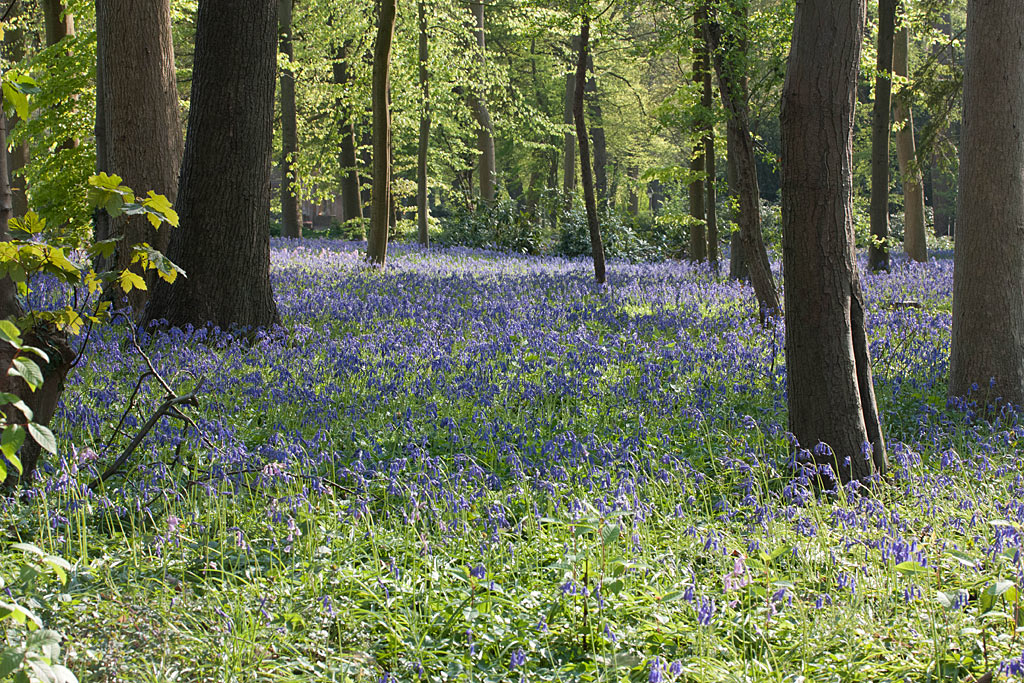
<point x="478" y="467"/>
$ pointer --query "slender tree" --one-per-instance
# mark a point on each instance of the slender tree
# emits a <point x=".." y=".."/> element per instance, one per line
<point x="351" y="199"/>
<point x="484" y="126"/>
<point x="698" y="237"/>
<point x="18" y="156"/>
<point x="569" y="144"/>
<point x="291" y="208"/>
<point x="906" y="152"/>
<point x="988" y="273"/>
<point x="138" y="130"/>
<point x="727" y="45"/>
<point x="377" y="247"/>
<point x="828" y="368"/>
<point x="878" y="250"/>
<point x="586" y="174"/>
<point x="58" y="22"/>
<point x="422" y="203"/>
<point x="707" y="101"/>
<point x="223" y="242"/>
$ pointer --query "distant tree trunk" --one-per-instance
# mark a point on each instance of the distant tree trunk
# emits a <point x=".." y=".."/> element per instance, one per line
<point x="878" y="250"/>
<point x="377" y="247"/>
<point x="829" y="387"/>
<point x="737" y="262"/>
<point x="484" y="127"/>
<point x="596" y="245"/>
<point x="14" y="52"/>
<point x="942" y="206"/>
<point x="58" y="21"/>
<point x="138" y="133"/>
<point x="910" y="172"/>
<point x="709" y="170"/>
<point x="698" y="238"/>
<point x="223" y="243"/>
<point x="291" y="210"/>
<point x="422" y="205"/>
<point x="733" y="88"/>
<point x="569" y="145"/>
<point x="43" y="401"/>
<point x="633" y="173"/>
<point x="988" y="296"/>
<point x="351" y="200"/>
<point x="656" y="196"/>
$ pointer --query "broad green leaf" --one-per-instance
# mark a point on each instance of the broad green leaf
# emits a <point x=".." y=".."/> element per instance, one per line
<point x="28" y="370"/>
<point x="10" y="660"/>
<point x="911" y="568"/>
<point x="610" y="534"/>
<point x="10" y="333"/>
<point x="44" y="437"/>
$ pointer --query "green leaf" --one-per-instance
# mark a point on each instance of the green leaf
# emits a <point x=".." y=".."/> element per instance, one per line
<point x="10" y="333"/>
<point x="610" y="534"/>
<point x="911" y="568"/>
<point x="44" y="437"/>
<point x="10" y="660"/>
<point x="27" y="369"/>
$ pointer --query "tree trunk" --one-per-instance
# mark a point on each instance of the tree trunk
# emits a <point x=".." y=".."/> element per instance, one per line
<point x="138" y="130"/>
<point x="733" y="88"/>
<point x="484" y="127"/>
<point x="377" y="247"/>
<point x="351" y="200"/>
<point x="43" y="401"/>
<point x="291" y="209"/>
<point x="707" y="102"/>
<point x="569" y="145"/>
<point x="422" y="206"/>
<point x="596" y="245"/>
<point x="987" y="352"/>
<point x="878" y="250"/>
<point x="829" y="387"/>
<point x="737" y="262"/>
<point x="656" y="196"/>
<point x="910" y="171"/>
<point x="597" y="137"/>
<point x="223" y="243"/>
<point x="14" y="52"/>
<point x="698" y="238"/>
<point x="943" y="206"/>
<point x="633" y="173"/>
<point x="58" y="21"/>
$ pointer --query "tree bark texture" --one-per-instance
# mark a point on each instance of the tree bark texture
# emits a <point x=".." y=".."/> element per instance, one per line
<point x="223" y="243"/>
<point x="423" y="150"/>
<point x="138" y="131"/>
<point x="58" y="22"/>
<point x="733" y="88"/>
<point x="906" y="152"/>
<point x="597" y="136"/>
<point x="291" y="208"/>
<point x="878" y="250"/>
<point x="17" y="158"/>
<point x="484" y="126"/>
<point x="737" y="261"/>
<point x="829" y="386"/>
<point x="351" y="200"/>
<point x="988" y="272"/>
<point x="377" y="246"/>
<point x="569" y="144"/>
<point x="586" y="175"/>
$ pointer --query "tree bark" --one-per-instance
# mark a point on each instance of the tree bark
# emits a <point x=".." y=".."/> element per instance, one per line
<point x="597" y="136"/>
<point x="988" y="273"/>
<point x="733" y="89"/>
<point x="138" y="130"/>
<point x="291" y="209"/>
<point x="484" y="126"/>
<point x="58" y="22"/>
<point x="633" y="173"/>
<point x="737" y="261"/>
<point x="910" y="171"/>
<point x="223" y="242"/>
<point x="422" y="205"/>
<point x="829" y="387"/>
<point x="698" y="238"/>
<point x="569" y="145"/>
<point x="351" y="200"/>
<point x="18" y="156"/>
<point x="586" y="175"/>
<point x="377" y="247"/>
<point x="878" y="250"/>
<point x="707" y="102"/>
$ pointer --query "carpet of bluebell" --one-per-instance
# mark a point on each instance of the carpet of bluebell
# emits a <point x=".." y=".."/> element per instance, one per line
<point x="483" y="467"/>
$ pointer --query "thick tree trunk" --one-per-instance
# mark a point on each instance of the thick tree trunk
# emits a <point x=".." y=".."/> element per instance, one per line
<point x="988" y="273"/>
<point x="14" y="52"/>
<point x="377" y="246"/>
<point x="737" y="261"/>
<point x="223" y="243"/>
<point x="422" y="205"/>
<point x="878" y="250"/>
<point x="597" y="137"/>
<point x="569" y="144"/>
<point x="586" y="176"/>
<point x="138" y="130"/>
<point x="291" y="208"/>
<point x="733" y="89"/>
<point x="351" y="200"/>
<point x="829" y="386"/>
<point x="484" y="127"/>
<point x="910" y="172"/>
